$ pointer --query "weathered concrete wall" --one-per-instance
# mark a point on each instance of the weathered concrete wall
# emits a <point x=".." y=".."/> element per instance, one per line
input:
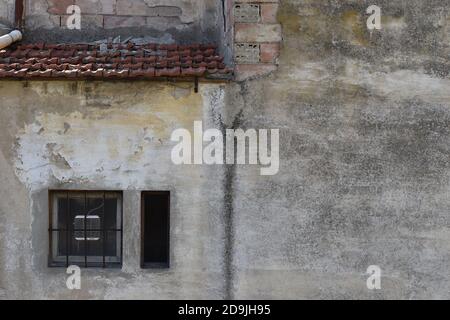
<point x="364" y="179"/>
<point x="107" y="136"/>
<point x="365" y="144"/>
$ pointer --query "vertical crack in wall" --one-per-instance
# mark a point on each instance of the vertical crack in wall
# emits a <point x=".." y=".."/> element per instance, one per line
<point x="229" y="213"/>
<point x="229" y="179"/>
<point x="230" y="173"/>
<point x="224" y="15"/>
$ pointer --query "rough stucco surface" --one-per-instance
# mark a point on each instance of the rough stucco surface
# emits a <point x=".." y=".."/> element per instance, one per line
<point x="364" y="120"/>
<point x="74" y="135"/>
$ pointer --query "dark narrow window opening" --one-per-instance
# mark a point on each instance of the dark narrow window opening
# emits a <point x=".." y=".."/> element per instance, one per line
<point x="155" y="233"/>
<point x="86" y="229"/>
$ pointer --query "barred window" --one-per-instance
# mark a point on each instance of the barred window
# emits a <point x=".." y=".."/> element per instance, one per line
<point x="85" y="229"/>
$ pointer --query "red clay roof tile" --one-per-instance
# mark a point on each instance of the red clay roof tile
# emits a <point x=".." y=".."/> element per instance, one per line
<point x="40" y="60"/>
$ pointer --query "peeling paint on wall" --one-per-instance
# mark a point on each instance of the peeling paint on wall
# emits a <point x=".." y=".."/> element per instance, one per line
<point x="104" y="144"/>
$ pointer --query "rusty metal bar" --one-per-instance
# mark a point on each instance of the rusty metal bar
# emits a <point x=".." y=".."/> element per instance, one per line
<point x="19" y="14"/>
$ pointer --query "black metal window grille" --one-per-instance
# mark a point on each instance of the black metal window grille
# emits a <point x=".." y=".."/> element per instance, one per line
<point x="86" y="229"/>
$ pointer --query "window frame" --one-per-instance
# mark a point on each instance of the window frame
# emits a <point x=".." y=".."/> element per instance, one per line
<point x="52" y="194"/>
<point x="154" y="265"/>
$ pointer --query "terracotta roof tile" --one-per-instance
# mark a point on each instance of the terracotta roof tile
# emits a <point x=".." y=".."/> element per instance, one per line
<point x="118" y="61"/>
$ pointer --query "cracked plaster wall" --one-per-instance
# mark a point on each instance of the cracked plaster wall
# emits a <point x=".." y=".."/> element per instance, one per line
<point x="364" y="175"/>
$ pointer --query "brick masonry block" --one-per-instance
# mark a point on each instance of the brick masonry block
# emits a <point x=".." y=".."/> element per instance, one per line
<point x="269" y="12"/>
<point x="88" y="6"/>
<point x="132" y="8"/>
<point x="59" y="6"/>
<point x="162" y="23"/>
<point x="257" y="32"/>
<point x="141" y="8"/>
<point x="248" y="71"/>
<point x="270" y="52"/>
<point x="249" y="13"/>
<point x="246" y="53"/>
<point x="97" y="6"/>
<point x="108" y="6"/>
<point x="112" y="22"/>
<point x="42" y="21"/>
<point x="87" y="21"/>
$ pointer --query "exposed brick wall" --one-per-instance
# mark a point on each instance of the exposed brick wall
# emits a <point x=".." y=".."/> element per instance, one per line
<point x="250" y="32"/>
<point x="257" y="37"/>
<point x="110" y="14"/>
<point x="183" y="21"/>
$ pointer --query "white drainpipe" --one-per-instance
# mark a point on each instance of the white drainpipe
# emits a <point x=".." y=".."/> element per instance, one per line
<point x="9" y="38"/>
